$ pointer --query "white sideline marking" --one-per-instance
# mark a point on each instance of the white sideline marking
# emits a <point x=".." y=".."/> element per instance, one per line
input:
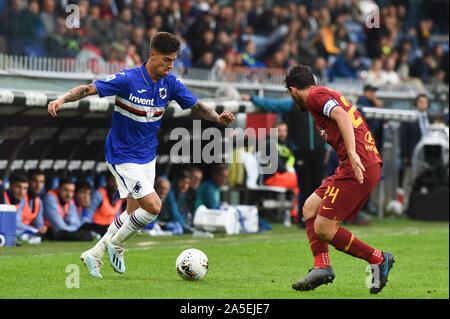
<point x="186" y="243"/>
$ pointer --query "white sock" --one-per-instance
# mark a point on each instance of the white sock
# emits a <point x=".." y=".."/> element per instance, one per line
<point x="136" y="221"/>
<point x="99" y="249"/>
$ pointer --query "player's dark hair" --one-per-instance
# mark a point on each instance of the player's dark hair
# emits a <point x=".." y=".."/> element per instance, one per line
<point x="82" y="184"/>
<point x="18" y="178"/>
<point x="300" y="77"/>
<point x="165" y="43"/>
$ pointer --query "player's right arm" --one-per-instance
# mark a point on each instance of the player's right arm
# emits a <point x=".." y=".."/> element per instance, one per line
<point x="73" y="95"/>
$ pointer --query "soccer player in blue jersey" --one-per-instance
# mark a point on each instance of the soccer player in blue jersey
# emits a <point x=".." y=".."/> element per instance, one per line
<point x="142" y="95"/>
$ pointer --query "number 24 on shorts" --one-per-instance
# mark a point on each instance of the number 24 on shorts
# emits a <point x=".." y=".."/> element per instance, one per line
<point x="332" y="192"/>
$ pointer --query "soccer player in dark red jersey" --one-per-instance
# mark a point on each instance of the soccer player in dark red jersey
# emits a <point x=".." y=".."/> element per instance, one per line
<point x="342" y="195"/>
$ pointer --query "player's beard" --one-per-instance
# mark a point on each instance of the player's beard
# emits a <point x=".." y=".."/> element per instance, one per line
<point x="300" y="104"/>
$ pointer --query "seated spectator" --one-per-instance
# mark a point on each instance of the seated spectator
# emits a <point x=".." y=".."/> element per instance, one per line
<point x="206" y="61"/>
<point x="82" y="199"/>
<point x="196" y="178"/>
<point x="61" y="216"/>
<point x="37" y="184"/>
<point x="208" y="193"/>
<point x="285" y="175"/>
<point x="370" y="100"/>
<point x="347" y="65"/>
<point x="33" y="197"/>
<point x="105" y="206"/>
<point x="374" y="75"/>
<point x="390" y="76"/>
<point x="248" y="56"/>
<point x="162" y="188"/>
<point x="171" y="217"/>
<point x="29" y="221"/>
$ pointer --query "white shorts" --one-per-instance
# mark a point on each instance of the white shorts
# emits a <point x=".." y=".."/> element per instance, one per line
<point x="134" y="180"/>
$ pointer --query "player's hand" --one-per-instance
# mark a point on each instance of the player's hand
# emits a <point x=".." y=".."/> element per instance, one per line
<point x="54" y="106"/>
<point x="226" y="118"/>
<point x="357" y="166"/>
<point x="246" y="97"/>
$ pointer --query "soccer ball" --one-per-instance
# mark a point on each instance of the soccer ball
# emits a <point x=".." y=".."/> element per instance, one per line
<point x="192" y="264"/>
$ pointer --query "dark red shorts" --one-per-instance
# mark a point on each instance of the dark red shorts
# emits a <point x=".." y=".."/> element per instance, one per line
<point x="343" y="197"/>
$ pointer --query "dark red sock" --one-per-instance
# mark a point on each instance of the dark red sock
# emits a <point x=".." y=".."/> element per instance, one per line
<point x="319" y="247"/>
<point x="346" y="242"/>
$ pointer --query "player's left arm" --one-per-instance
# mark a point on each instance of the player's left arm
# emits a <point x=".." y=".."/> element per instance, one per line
<point x="207" y="113"/>
<point x="344" y="122"/>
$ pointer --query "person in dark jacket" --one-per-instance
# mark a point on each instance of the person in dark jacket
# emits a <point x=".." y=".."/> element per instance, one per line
<point x="304" y="140"/>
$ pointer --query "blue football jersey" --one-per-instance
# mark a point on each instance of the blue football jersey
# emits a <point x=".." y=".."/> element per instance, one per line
<point x="139" y="106"/>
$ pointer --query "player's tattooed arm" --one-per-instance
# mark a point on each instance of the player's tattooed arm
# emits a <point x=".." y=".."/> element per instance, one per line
<point x="79" y="92"/>
<point x="73" y="95"/>
<point x="206" y="113"/>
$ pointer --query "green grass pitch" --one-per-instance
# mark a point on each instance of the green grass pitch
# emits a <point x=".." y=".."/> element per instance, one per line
<point x="247" y="266"/>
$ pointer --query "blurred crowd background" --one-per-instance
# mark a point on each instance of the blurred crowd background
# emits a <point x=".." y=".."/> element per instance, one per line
<point x="332" y="36"/>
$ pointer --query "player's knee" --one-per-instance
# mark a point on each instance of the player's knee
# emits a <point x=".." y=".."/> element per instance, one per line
<point x="152" y="206"/>
<point x="308" y="210"/>
<point x="325" y="231"/>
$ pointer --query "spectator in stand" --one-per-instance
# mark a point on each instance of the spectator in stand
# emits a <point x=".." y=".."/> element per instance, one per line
<point x="278" y="61"/>
<point x="33" y="32"/>
<point x="61" y="216"/>
<point x="270" y="20"/>
<point x="319" y="68"/>
<point x="108" y="9"/>
<point x="369" y="99"/>
<point x="306" y="49"/>
<point x="205" y="21"/>
<point x="227" y="20"/>
<point x="137" y="17"/>
<point x="347" y="65"/>
<point x="48" y="16"/>
<point x="422" y="66"/>
<point x="105" y="206"/>
<point x="132" y="59"/>
<point x="123" y="26"/>
<point x="374" y="75"/>
<point x="389" y="75"/>
<point x="29" y="220"/>
<point x="248" y="56"/>
<point x="222" y="43"/>
<point x="255" y="15"/>
<point x="12" y="25"/>
<point x="141" y="43"/>
<point x="166" y="14"/>
<point x="208" y="193"/>
<point x="199" y="46"/>
<point x="403" y="71"/>
<point x="206" y="61"/>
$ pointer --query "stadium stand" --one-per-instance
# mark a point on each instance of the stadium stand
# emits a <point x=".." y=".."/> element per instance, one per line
<point x="250" y="45"/>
